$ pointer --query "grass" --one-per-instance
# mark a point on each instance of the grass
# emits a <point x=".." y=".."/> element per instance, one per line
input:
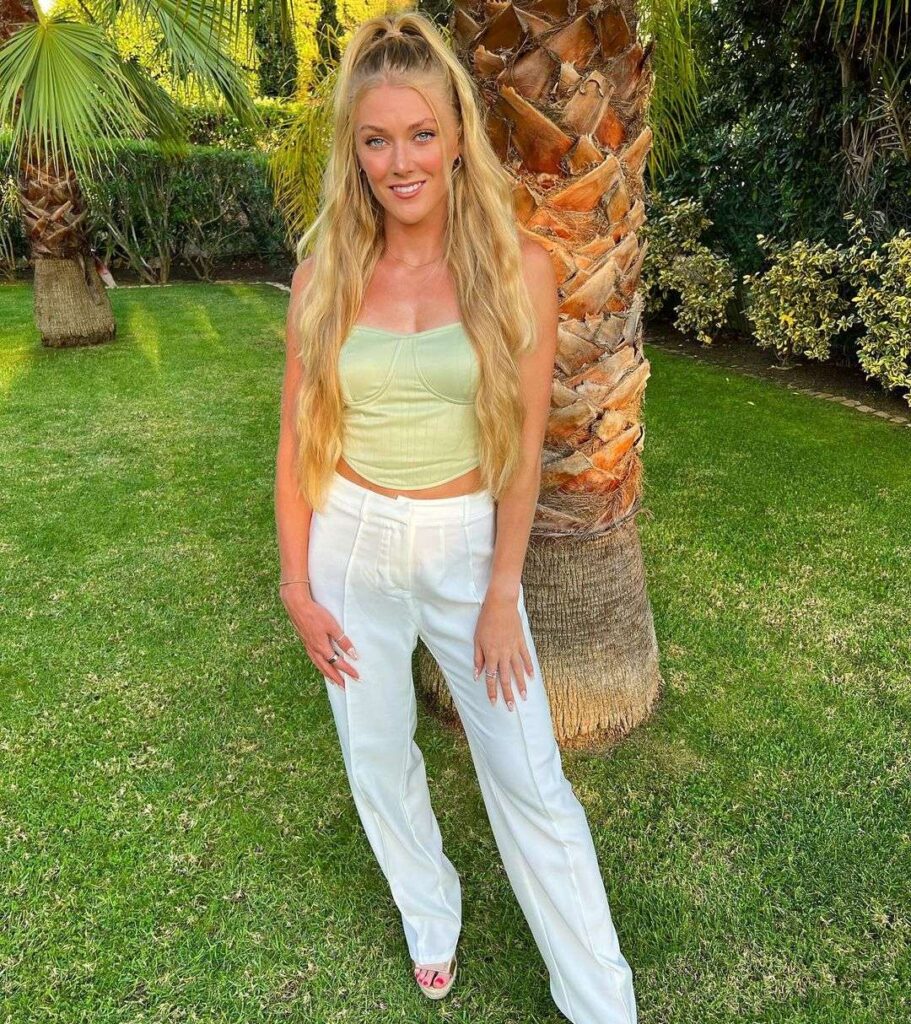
<point x="177" y="839"/>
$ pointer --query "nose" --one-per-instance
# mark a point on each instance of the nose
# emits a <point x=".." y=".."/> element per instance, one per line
<point x="401" y="159"/>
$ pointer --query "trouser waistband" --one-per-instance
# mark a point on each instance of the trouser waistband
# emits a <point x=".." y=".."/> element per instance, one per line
<point x="368" y="504"/>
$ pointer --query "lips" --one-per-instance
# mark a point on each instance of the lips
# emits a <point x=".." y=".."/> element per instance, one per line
<point x="412" y="190"/>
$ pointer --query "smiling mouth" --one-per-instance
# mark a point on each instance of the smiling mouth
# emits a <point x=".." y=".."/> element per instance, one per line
<point x="407" y="190"/>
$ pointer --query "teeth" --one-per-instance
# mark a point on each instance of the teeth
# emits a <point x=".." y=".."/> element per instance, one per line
<point x="407" y="189"/>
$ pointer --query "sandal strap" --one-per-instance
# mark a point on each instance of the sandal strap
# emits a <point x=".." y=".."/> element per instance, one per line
<point x="418" y="968"/>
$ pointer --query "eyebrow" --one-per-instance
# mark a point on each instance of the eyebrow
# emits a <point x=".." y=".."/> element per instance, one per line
<point x="411" y="127"/>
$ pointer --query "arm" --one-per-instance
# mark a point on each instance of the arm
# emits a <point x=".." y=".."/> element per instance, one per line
<point x="516" y="506"/>
<point x="499" y="637"/>
<point x="315" y="624"/>
<point x="292" y="513"/>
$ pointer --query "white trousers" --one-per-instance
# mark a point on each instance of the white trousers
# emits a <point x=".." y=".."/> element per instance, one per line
<point x="391" y="570"/>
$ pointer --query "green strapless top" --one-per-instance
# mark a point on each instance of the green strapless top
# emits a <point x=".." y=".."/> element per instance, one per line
<point x="409" y="418"/>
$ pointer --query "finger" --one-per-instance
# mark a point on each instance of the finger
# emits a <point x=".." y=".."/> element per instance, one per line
<point x="526" y="658"/>
<point x="519" y="675"/>
<point x="345" y="666"/>
<point x="490" y="679"/>
<point x="320" y="660"/>
<point x="506" y="683"/>
<point x="478" y="660"/>
<point x="329" y="672"/>
<point x="342" y="640"/>
<point x="341" y="664"/>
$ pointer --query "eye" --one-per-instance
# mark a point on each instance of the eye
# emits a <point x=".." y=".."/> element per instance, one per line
<point x="376" y="138"/>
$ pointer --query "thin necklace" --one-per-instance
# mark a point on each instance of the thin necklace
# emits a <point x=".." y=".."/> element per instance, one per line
<point x="414" y="266"/>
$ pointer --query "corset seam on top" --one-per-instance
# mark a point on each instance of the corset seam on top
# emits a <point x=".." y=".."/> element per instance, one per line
<point x="384" y="384"/>
<point x="422" y="435"/>
<point x="400" y="341"/>
<point x="422" y="378"/>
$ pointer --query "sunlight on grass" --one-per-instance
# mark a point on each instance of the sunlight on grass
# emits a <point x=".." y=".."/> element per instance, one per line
<point x="20" y="346"/>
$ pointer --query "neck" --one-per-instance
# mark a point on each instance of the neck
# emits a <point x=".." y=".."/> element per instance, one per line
<point x="415" y="243"/>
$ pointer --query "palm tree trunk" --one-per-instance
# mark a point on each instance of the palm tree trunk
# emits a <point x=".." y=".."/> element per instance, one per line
<point x="567" y="89"/>
<point x="72" y="306"/>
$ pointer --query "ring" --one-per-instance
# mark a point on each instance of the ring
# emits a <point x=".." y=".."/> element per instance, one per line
<point x="491" y="675"/>
<point x="333" y="659"/>
<point x="335" y="639"/>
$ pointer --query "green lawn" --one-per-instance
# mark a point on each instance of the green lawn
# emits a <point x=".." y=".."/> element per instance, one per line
<point x="177" y="838"/>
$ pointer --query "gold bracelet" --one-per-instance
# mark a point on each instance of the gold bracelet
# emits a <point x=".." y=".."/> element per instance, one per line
<point x="289" y="582"/>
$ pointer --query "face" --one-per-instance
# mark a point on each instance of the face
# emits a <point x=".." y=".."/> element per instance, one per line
<point x="399" y="142"/>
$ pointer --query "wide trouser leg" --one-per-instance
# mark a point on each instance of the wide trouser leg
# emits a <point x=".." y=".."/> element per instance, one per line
<point x="538" y="823"/>
<point x="376" y="718"/>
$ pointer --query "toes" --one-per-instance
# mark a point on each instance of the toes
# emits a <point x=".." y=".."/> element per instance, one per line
<point x="428" y="977"/>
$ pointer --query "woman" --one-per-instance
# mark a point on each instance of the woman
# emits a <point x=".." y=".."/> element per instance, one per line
<point x="421" y="341"/>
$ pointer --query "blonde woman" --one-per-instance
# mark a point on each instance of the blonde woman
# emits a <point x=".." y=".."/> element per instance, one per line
<point x="421" y="338"/>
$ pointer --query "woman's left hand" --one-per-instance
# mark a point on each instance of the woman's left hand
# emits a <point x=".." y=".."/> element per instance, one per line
<point x="499" y="646"/>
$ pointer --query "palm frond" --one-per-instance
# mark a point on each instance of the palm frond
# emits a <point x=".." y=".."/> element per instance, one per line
<point x="674" y="102"/>
<point x="296" y="167"/>
<point x="890" y="111"/>
<point x="885" y="22"/>
<point x="64" y="93"/>
<point x="196" y="39"/>
<point x="166" y="126"/>
<point x="276" y="15"/>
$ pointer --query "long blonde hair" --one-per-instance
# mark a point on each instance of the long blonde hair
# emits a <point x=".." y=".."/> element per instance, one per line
<point x="482" y="252"/>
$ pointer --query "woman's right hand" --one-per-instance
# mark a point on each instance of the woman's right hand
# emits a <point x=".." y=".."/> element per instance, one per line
<point x="316" y="626"/>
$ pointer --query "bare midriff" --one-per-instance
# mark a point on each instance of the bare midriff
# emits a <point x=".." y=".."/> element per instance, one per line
<point x="467" y="483"/>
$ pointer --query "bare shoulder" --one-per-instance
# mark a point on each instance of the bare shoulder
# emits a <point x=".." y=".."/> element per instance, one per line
<point x="299" y="281"/>
<point x="301" y="277"/>
<point x="538" y="266"/>
<point x="541" y="279"/>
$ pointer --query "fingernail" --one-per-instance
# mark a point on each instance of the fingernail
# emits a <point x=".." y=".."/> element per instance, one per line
<point x="353" y="653"/>
<point x="510" y="705"/>
<point x="476" y="673"/>
<point x="493" y="700"/>
<point x="524" y="695"/>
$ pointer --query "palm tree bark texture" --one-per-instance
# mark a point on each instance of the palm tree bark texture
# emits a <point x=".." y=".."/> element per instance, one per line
<point x="566" y="87"/>
<point x="71" y="304"/>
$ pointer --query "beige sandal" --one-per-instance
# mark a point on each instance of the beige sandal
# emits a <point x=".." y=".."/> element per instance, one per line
<point x="436" y="991"/>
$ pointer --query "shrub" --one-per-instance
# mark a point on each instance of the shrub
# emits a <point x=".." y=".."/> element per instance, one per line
<point x="209" y="124"/>
<point x="149" y="210"/>
<point x="796" y="306"/>
<point x="202" y="208"/>
<point x="11" y="241"/>
<point x="883" y="302"/>
<point x="679" y="266"/>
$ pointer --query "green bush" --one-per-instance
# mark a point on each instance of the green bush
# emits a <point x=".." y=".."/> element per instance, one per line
<point x="201" y="209"/>
<point x="883" y="302"/>
<point x="12" y="245"/>
<point x="680" y="271"/>
<point x="796" y="306"/>
<point x="150" y="211"/>
<point x="208" y="124"/>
